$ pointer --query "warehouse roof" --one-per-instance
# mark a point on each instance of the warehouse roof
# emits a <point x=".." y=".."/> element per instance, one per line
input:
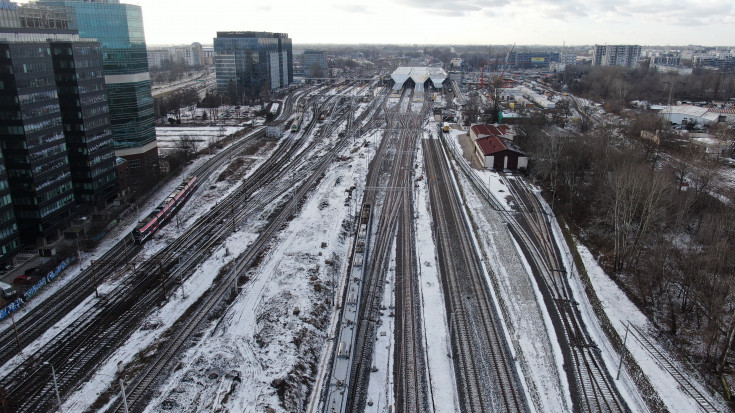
<point x="419" y="74"/>
<point x="493" y="144"/>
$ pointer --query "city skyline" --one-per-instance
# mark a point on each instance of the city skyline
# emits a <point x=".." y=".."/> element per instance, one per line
<point x="538" y="22"/>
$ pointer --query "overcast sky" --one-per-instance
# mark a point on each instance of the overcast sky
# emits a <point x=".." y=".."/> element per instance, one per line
<point x="646" y="22"/>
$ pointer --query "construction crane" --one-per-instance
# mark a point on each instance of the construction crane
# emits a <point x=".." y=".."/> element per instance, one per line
<point x="505" y="64"/>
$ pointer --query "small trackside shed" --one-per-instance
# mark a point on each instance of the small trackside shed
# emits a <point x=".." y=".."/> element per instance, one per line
<point x="500" y="153"/>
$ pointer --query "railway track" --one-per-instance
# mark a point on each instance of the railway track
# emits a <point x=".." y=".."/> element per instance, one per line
<point x="79" y="347"/>
<point x="681" y="378"/>
<point x="37" y="321"/>
<point x="486" y="374"/>
<point x="590" y="383"/>
<point x="594" y="389"/>
<point x="387" y="167"/>
<point x="144" y="383"/>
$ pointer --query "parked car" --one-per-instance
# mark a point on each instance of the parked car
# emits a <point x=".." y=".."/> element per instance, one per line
<point x="23" y="280"/>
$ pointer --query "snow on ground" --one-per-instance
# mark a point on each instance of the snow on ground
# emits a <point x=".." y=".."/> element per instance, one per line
<point x="191" y="211"/>
<point x="122" y="230"/>
<point x="436" y="331"/>
<point x="490" y="178"/>
<point x="267" y="345"/>
<point x="380" y="389"/>
<point x="533" y="335"/>
<point x="169" y="137"/>
<point x="621" y="311"/>
<point x="626" y="386"/>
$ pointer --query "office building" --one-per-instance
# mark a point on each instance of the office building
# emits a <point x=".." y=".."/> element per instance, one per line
<point x="315" y="64"/>
<point x="192" y="55"/>
<point x="119" y="29"/>
<point x="85" y="114"/>
<point x="616" y="55"/>
<point x="248" y="64"/>
<point x="55" y="131"/>
<point x="34" y="146"/>
<point x="9" y="236"/>
<point x="532" y="60"/>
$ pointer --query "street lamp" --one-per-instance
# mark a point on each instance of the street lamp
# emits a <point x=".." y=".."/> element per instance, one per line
<point x="56" y="386"/>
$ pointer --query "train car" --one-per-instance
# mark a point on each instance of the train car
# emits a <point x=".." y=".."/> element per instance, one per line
<point x="164" y="211"/>
<point x="296" y="125"/>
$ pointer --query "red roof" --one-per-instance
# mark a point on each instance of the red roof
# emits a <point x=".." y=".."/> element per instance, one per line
<point x="504" y="129"/>
<point x="486" y="130"/>
<point x="494" y="144"/>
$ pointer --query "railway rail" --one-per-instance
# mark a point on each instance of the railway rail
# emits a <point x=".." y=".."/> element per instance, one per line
<point x="591" y="385"/>
<point x="485" y="370"/>
<point x="681" y="378"/>
<point x="142" y="386"/>
<point x="78" y="348"/>
<point x="594" y="387"/>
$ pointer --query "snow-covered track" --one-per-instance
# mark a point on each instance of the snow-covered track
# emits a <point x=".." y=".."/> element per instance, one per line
<point x="485" y="371"/>
<point x="593" y="388"/>
<point x="77" y="349"/>
<point x="682" y="378"/>
<point x="144" y="383"/>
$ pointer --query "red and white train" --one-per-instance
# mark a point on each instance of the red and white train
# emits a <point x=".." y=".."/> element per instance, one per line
<point x="153" y="222"/>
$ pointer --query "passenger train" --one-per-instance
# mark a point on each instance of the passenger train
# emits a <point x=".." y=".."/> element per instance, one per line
<point x="153" y="222"/>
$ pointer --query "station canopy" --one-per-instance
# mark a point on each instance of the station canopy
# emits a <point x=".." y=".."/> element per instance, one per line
<point x="419" y="75"/>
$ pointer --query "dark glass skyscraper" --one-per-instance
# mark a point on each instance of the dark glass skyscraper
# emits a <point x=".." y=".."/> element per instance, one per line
<point x="33" y="141"/>
<point x="55" y="131"/>
<point x="83" y="99"/>
<point x="250" y="63"/>
<point x="119" y="29"/>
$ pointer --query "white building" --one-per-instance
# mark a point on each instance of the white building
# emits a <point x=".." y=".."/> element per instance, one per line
<point x="191" y="55"/>
<point x="685" y="114"/>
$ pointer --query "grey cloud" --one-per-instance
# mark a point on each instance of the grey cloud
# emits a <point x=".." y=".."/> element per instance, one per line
<point x="352" y="8"/>
<point x="682" y="12"/>
<point x="455" y="7"/>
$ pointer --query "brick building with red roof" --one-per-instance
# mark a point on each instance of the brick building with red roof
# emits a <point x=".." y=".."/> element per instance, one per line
<point x="494" y="150"/>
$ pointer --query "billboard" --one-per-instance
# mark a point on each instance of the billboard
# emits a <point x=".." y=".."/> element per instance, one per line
<point x="538" y="59"/>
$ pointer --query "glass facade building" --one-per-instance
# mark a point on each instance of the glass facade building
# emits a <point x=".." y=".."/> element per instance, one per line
<point x="250" y="63"/>
<point x="83" y="100"/>
<point x="119" y="29"/>
<point x="54" y="131"/>
<point x="33" y="141"/>
<point x="9" y="236"/>
<point x="535" y="60"/>
<point x="315" y="64"/>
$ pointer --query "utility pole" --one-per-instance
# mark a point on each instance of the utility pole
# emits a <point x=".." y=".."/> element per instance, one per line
<point x="3" y="399"/>
<point x="622" y="353"/>
<point x="56" y="385"/>
<point x="163" y="280"/>
<point x="15" y="330"/>
<point x="124" y="397"/>
<point x="94" y="279"/>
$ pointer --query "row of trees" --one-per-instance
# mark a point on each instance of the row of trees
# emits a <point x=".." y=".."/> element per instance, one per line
<point x="650" y="211"/>
<point x="617" y="86"/>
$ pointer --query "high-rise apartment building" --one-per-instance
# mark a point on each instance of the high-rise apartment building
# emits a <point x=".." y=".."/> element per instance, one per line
<point x="616" y="55"/>
<point x="250" y="63"/>
<point x="119" y="29"/>
<point x="315" y="64"/>
<point x="55" y="131"/>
